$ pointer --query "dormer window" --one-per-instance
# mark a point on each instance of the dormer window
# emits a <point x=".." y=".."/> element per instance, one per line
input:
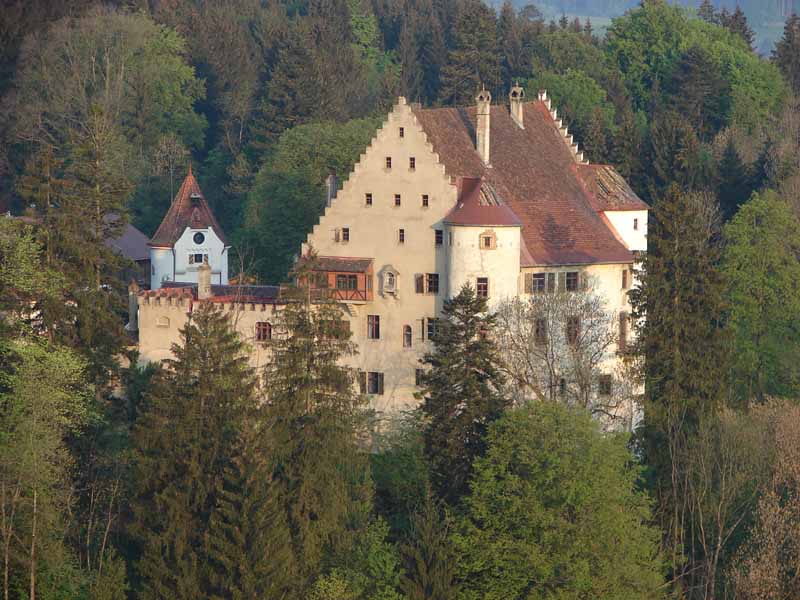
<point x="195" y="198"/>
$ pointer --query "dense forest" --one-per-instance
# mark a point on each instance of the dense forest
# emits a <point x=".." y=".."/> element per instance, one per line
<point x="202" y="478"/>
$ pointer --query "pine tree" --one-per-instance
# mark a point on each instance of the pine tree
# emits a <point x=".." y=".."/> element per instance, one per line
<point x="735" y="185"/>
<point x="461" y="391"/>
<point x="707" y="12"/>
<point x="429" y="558"/>
<point x="787" y="52"/>
<point x="626" y="146"/>
<point x="314" y="417"/>
<point x="683" y="347"/>
<point x="594" y="137"/>
<point x="736" y="22"/>
<point x="473" y="60"/>
<point x="563" y="22"/>
<point x="509" y="44"/>
<point x="183" y="445"/>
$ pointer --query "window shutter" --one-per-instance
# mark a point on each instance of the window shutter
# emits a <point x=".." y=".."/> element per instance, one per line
<point x="421" y="329"/>
<point x="362" y="382"/>
<point x="551" y="282"/>
<point x="380" y="384"/>
<point x="528" y="283"/>
<point x="419" y="283"/>
<point x="335" y="235"/>
<point x="583" y="280"/>
<point x="562" y="281"/>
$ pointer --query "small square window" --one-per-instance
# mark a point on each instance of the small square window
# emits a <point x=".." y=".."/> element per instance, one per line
<point x="439" y="237"/>
<point x="397" y="199"/>
<point x="604" y="385"/>
<point x="345" y="234"/>
<point x="424" y="200"/>
<point x="402" y="132"/>
<point x="412" y="163"/>
<point x="483" y="287"/>
<point x="375" y="383"/>
<point x="388" y="162"/>
<point x="368" y="199"/>
<point x="636" y="224"/>
<point x="263" y="331"/>
<point x="401" y="236"/>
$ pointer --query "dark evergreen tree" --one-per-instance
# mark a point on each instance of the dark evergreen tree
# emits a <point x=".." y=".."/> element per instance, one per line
<point x="563" y="22"/>
<point x="674" y="154"/>
<point x="473" y="60"/>
<point x="314" y="417"/>
<point x="735" y="183"/>
<point x="707" y="11"/>
<point x="594" y="137"/>
<point x="736" y="22"/>
<point x="430" y="562"/>
<point x="787" y="52"/>
<point x="183" y="445"/>
<point x="698" y="91"/>
<point x="683" y="347"/>
<point x="461" y="391"/>
<point x="588" y="30"/>
<point x="626" y="146"/>
<point x="509" y="45"/>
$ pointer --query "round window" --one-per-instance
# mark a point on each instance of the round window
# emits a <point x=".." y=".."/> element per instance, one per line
<point x="199" y="238"/>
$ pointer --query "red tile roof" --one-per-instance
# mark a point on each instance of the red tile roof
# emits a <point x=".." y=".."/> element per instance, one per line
<point x="188" y="209"/>
<point x="479" y="204"/>
<point x="536" y="174"/>
<point x="607" y="189"/>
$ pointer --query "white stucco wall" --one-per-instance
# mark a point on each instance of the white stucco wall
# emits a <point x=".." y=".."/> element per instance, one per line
<point x="468" y="260"/>
<point x="623" y="223"/>
<point x="172" y="264"/>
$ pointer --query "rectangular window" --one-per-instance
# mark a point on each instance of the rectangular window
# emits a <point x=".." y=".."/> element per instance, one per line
<point x="551" y="282"/>
<point x="604" y="384"/>
<point x="482" y="287"/>
<point x="346" y="282"/>
<point x="432" y="328"/>
<point x="401" y="236"/>
<point x="573" y="278"/>
<point x="368" y="199"/>
<point x="573" y="330"/>
<point x="432" y="283"/>
<point x="487" y="241"/>
<point x="373" y="327"/>
<point x="388" y="162"/>
<point x="636" y="224"/>
<point x="622" y="343"/>
<point x="424" y="200"/>
<point x="412" y="163"/>
<point x="345" y="234"/>
<point x="624" y="279"/>
<point x="397" y="199"/>
<point x="540" y="332"/>
<point x="197" y="259"/>
<point x="419" y="283"/>
<point x="402" y="132"/>
<point x="439" y="237"/>
<point x="263" y="331"/>
<point x="375" y="383"/>
<point x="535" y="283"/>
<point x="418" y="377"/>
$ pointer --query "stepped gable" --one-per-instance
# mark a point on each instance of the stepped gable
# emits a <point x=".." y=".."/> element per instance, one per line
<point x="188" y="209"/>
<point x="534" y="171"/>
<point x="479" y="204"/>
<point x="607" y="190"/>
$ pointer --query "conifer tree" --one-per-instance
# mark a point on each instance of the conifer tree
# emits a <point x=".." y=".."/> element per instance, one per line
<point x="509" y="44"/>
<point x="626" y="145"/>
<point x="594" y="137"/>
<point x="184" y="444"/>
<point x="677" y="312"/>
<point x="473" y="60"/>
<point x="461" y="391"/>
<point x="736" y="22"/>
<point x="314" y="418"/>
<point x="706" y="12"/>
<point x="429" y="557"/>
<point x="735" y="184"/>
<point x="787" y="52"/>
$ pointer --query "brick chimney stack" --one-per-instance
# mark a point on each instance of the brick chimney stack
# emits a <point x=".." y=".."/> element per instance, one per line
<point x="483" y="125"/>
<point x="516" y="97"/>
<point x="204" y="281"/>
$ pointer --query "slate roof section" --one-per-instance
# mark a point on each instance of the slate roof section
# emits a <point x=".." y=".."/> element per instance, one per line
<point x="536" y="174"/>
<point x="479" y="204"/>
<point x="343" y="264"/>
<point x="132" y="244"/>
<point x="188" y="209"/>
<point x="607" y="190"/>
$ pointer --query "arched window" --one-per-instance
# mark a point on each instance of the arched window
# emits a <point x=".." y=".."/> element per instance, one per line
<point x="407" y="336"/>
<point x="263" y="331"/>
<point x="162" y="322"/>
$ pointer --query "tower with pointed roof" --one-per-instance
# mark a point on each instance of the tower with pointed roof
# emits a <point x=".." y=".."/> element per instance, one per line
<point x="188" y="236"/>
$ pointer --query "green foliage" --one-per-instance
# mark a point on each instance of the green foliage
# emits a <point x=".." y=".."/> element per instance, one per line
<point x="183" y="444"/>
<point x="787" y="53"/>
<point x="762" y="275"/>
<point x="554" y="513"/>
<point x="460" y="391"/>
<point x="288" y="194"/>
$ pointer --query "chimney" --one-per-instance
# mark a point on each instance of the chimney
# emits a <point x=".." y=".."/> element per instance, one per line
<point x="133" y="307"/>
<point x="515" y="98"/>
<point x="204" y="281"/>
<point x="483" y="125"/>
<point x="332" y="187"/>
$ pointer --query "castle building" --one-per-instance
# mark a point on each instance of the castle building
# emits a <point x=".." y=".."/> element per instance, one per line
<point x="188" y="236"/>
<point x="498" y="197"/>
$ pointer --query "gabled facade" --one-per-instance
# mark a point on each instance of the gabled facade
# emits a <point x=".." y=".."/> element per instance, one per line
<point x="188" y="236"/>
<point x="498" y="197"/>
